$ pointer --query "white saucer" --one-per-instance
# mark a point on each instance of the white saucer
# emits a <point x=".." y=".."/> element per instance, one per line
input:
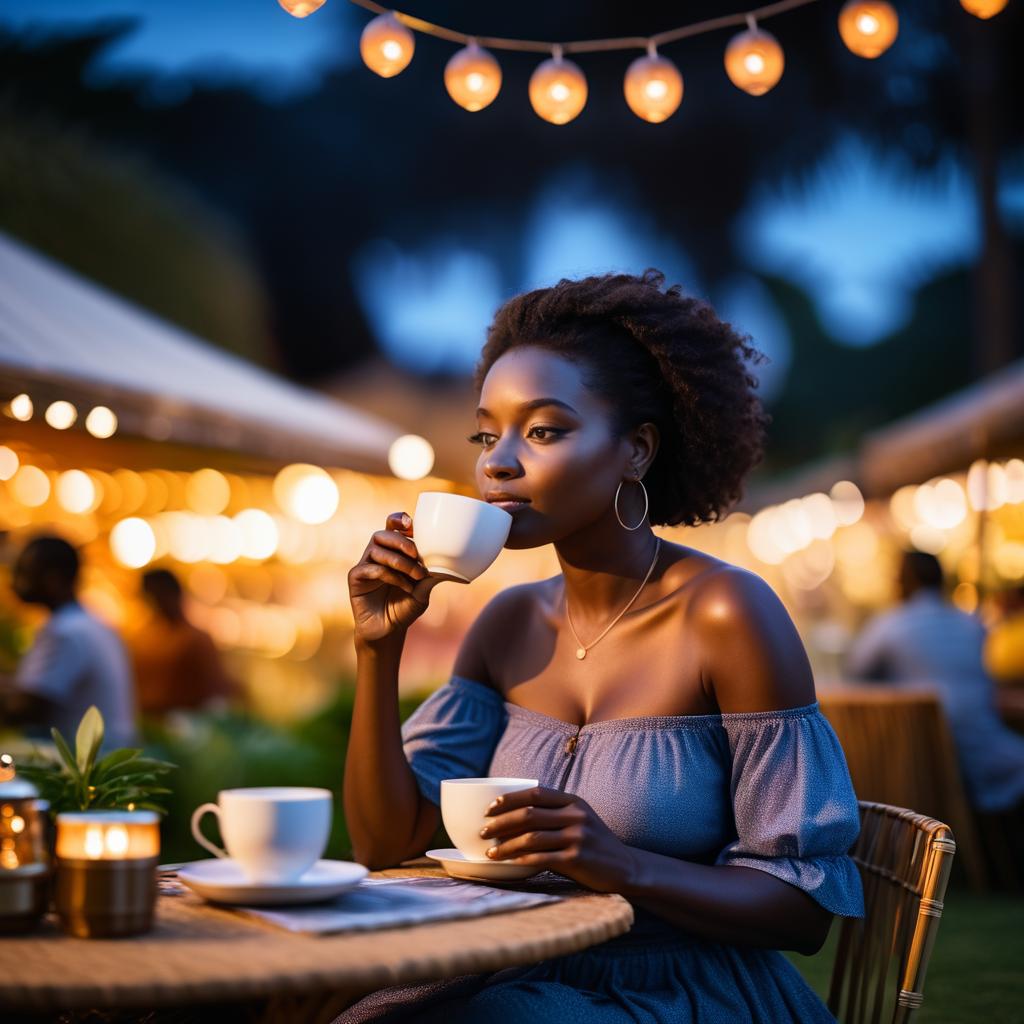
<point x="458" y="865"/>
<point x="222" y="881"/>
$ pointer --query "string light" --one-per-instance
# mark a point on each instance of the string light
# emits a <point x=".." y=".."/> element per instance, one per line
<point x="653" y="87"/>
<point x="21" y="408"/>
<point x="558" y="89"/>
<point x="868" y="27"/>
<point x="984" y="8"/>
<point x="101" y="422"/>
<point x="753" y="60"/>
<point x="472" y="77"/>
<point x="61" y="415"/>
<point x="386" y="45"/>
<point x="301" y="8"/>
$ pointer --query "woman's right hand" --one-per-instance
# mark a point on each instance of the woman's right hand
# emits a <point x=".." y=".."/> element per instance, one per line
<point x="389" y="587"/>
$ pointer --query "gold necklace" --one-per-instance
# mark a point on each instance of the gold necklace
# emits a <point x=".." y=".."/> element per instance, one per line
<point x="581" y="650"/>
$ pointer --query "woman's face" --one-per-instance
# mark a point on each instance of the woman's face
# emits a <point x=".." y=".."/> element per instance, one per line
<point x="563" y="458"/>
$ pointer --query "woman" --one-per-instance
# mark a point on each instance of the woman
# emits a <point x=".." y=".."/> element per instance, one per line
<point x="662" y="697"/>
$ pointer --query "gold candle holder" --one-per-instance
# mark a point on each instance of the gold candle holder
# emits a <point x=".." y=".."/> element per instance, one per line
<point x="24" y="852"/>
<point x="106" y="872"/>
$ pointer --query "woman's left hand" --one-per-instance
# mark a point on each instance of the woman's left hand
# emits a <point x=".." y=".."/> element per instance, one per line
<point x="556" y="831"/>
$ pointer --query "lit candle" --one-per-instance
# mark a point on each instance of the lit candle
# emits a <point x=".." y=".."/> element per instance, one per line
<point x="106" y="871"/>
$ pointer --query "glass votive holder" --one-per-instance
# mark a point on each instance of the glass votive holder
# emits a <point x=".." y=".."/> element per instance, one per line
<point x="105" y="883"/>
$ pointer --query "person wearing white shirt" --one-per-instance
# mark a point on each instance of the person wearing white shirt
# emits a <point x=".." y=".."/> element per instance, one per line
<point x="928" y="640"/>
<point x="76" y="660"/>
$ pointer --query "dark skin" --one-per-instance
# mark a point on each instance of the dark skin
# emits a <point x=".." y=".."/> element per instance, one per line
<point x="35" y="583"/>
<point x="710" y="637"/>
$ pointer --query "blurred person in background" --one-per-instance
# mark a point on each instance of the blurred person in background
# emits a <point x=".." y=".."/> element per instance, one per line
<point x="925" y="639"/>
<point x="177" y="665"/>
<point x="1004" y="647"/>
<point x="75" y="661"/>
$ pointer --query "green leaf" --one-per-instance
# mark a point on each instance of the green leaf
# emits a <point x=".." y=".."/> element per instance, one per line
<point x="65" y="752"/>
<point x="88" y="739"/>
<point x="114" y="759"/>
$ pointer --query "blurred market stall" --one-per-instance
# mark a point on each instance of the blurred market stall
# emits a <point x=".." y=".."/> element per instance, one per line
<point x="145" y="446"/>
<point x="948" y="480"/>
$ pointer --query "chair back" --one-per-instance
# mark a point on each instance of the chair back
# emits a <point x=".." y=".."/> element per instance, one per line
<point x="904" y="860"/>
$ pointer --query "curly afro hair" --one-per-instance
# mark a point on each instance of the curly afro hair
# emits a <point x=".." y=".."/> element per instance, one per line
<point x="655" y="356"/>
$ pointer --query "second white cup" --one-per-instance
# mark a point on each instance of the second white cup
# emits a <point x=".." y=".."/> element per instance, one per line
<point x="464" y="804"/>
<point x="274" y="833"/>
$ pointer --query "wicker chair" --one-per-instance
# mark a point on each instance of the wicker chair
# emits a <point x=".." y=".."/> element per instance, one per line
<point x="904" y="860"/>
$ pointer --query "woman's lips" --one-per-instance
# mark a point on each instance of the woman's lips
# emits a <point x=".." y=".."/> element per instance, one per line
<point x="511" y="506"/>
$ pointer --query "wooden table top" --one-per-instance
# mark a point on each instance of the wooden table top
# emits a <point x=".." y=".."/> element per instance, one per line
<point x="198" y="952"/>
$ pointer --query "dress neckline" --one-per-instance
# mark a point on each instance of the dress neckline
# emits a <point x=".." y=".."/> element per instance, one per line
<point x="640" y="721"/>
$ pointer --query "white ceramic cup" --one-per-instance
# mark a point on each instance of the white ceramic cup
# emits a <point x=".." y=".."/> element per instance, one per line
<point x="458" y="537"/>
<point x="274" y="833"/>
<point x="464" y="804"/>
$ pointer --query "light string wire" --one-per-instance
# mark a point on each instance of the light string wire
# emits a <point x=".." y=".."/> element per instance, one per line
<point x="588" y="45"/>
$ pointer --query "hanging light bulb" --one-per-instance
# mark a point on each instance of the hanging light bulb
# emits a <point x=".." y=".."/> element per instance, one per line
<point x="301" y="8"/>
<point x="983" y="8"/>
<point x="868" y="27"/>
<point x="653" y="86"/>
<point x="472" y="77"/>
<point x="558" y="89"/>
<point x="386" y="45"/>
<point x="754" y="60"/>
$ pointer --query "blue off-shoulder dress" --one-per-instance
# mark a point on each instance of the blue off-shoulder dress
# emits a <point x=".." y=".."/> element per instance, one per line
<point x="768" y="790"/>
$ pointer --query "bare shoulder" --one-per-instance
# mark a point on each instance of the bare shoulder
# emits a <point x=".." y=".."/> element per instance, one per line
<point x="751" y="654"/>
<point x="493" y="630"/>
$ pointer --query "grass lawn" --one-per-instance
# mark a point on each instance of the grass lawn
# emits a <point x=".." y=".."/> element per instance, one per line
<point x="976" y="973"/>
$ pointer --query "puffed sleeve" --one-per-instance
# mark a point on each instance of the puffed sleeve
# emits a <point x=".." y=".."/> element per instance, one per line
<point x="452" y="734"/>
<point x="793" y="802"/>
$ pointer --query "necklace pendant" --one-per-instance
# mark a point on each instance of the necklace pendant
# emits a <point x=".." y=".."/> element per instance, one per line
<point x="581" y="653"/>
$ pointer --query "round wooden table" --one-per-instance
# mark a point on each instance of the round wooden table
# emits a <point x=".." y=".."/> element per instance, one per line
<point x="200" y="954"/>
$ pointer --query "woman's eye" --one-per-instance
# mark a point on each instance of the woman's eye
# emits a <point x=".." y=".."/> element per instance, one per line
<point x="479" y="438"/>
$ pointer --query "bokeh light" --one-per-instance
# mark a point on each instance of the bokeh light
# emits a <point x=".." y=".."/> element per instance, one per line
<point x="208" y="492"/>
<point x="61" y="415"/>
<point x="258" y="531"/>
<point x="133" y="543"/>
<point x="411" y="457"/>
<point x="76" y="492"/>
<point x="306" y="493"/>
<point x="21" y="408"/>
<point x="101" y="422"/>
<point x="30" y="486"/>
<point x="9" y="463"/>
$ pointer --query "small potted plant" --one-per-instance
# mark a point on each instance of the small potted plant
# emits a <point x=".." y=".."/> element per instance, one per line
<point x="81" y="781"/>
<point x="107" y="843"/>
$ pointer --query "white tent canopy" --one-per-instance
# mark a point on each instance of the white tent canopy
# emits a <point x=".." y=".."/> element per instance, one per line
<point x="73" y="339"/>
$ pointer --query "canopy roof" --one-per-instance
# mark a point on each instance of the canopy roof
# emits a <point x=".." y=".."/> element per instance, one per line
<point x="982" y="421"/>
<point x="62" y="336"/>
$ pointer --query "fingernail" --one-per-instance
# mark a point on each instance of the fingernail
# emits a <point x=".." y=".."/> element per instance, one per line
<point x="491" y="851"/>
<point x="493" y="807"/>
<point x="405" y="519"/>
<point x="483" y="833"/>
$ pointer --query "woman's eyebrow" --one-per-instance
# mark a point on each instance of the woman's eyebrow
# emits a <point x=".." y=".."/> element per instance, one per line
<point x="535" y="403"/>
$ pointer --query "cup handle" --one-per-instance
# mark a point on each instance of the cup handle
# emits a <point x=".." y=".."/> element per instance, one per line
<point x="198" y="836"/>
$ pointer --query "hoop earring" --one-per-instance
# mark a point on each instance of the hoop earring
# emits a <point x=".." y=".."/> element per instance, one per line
<point x="616" y="504"/>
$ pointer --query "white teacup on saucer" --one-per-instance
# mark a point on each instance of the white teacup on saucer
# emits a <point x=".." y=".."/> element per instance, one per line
<point x="223" y="881"/>
<point x="458" y="865"/>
